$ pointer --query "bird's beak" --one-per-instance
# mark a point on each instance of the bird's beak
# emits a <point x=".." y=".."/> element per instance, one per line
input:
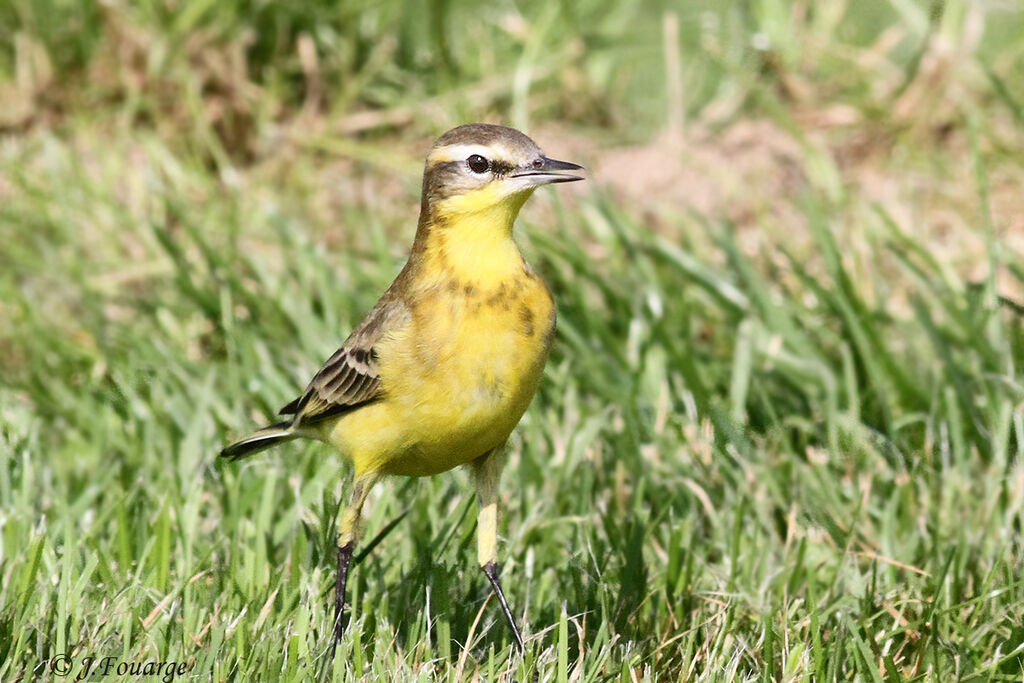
<point x="544" y="171"/>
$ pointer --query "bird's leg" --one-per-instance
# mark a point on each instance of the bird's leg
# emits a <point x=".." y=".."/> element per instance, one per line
<point x="486" y="473"/>
<point x="348" y="535"/>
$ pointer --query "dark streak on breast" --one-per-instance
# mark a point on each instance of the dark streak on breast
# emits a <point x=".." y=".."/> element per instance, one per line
<point x="526" y="318"/>
<point x="500" y="296"/>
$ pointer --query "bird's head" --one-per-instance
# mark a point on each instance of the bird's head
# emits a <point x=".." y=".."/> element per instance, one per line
<point x="480" y="167"/>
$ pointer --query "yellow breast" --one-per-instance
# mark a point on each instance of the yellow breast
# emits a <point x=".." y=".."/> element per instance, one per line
<point x="457" y="379"/>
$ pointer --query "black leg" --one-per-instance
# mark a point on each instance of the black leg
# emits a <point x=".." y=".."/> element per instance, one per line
<point x="348" y="534"/>
<point x="344" y="558"/>
<point x="491" y="571"/>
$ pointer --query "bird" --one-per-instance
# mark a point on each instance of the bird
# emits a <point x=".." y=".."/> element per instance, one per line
<point x="442" y="368"/>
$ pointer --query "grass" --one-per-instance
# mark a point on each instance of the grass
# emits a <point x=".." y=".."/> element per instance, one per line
<point x="780" y="437"/>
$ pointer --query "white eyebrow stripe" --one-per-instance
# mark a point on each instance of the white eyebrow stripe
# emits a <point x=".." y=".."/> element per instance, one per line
<point x="461" y="152"/>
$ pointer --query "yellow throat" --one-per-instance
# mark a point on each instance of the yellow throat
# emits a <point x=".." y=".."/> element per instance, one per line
<point x="469" y="238"/>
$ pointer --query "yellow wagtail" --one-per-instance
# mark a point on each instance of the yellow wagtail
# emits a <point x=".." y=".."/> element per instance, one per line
<point x="441" y="370"/>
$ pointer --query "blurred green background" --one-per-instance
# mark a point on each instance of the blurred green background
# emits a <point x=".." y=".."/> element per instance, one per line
<point x="780" y="437"/>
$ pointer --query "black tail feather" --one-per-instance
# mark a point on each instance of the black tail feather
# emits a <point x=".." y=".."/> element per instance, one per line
<point x="260" y="440"/>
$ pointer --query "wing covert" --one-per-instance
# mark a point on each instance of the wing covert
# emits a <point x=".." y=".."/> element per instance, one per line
<point x="349" y="378"/>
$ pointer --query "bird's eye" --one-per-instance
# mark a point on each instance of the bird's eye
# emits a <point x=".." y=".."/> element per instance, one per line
<point x="477" y="164"/>
<point x="538" y="163"/>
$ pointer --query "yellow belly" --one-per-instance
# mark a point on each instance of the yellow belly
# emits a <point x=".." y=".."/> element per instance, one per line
<point x="457" y="380"/>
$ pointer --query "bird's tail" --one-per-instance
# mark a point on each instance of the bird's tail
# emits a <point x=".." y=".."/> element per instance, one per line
<point x="261" y="439"/>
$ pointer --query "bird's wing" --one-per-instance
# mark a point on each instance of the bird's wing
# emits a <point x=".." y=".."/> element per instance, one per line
<point x="349" y="378"/>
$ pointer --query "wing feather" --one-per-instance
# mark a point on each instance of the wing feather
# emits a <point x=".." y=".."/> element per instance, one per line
<point x="350" y="377"/>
